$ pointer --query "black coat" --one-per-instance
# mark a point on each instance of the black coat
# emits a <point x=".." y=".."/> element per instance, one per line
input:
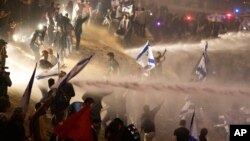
<point x="78" y="24"/>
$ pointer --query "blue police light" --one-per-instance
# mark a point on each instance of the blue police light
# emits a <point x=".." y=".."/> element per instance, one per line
<point x="158" y="23"/>
<point x="237" y="10"/>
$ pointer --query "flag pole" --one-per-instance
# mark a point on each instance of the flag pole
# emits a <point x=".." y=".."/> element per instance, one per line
<point x="27" y="93"/>
<point x="58" y="63"/>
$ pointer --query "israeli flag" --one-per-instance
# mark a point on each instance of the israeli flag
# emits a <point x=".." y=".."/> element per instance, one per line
<point x="201" y="69"/>
<point x="146" y="58"/>
<point x="193" y="129"/>
<point x="73" y="72"/>
<point x="27" y="93"/>
<point x="187" y="109"/>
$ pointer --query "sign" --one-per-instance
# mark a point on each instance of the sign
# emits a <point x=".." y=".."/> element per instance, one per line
<point x="239" y="132"/>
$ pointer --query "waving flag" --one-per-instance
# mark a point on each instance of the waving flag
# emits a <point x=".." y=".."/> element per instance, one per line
<point x="186" y="111"/>
<point x="146" y="58"/>
<point x="26" y="96"/>
<point x="74" y="71"/>
<point x="127" y="9"/>
<point x="201" y="69"/>
<point x="77" y="126"/>
<point x="193" y="129"/>
<point x="54" y="71"/>
<point x="188" y="108"/>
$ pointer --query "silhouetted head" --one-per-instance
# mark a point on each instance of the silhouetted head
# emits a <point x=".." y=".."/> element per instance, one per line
<point x="118" y="122"/>
<point x="50" y="51"/>
<point x="88" y="100"/>
<point x="204" y="132"/>
<point x="45" y="54"/>
<point x="44" y="28"/>
<point x="51" y="82"/>
<point x="111" y="54"/>
<point x="18" y="115"/>
<point x="2" y="43"/>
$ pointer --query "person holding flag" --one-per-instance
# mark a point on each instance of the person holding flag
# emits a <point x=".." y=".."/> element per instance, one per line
<point x="201" y="68"/>
<point x="159" y="59"/>
<point x="62" y="100"/>
<point x="193" y="129"/>
<point x="59" y="104"/>
<point x="54" y="71"/>
<point x="187" y="109"/>
<point x="145" y="59"/>
<point x="65" y="90"/>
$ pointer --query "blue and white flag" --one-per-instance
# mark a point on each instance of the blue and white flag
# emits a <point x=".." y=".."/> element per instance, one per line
<point x="26" y="96"/>
<point x="73" y="72"/>
<point x="193" y="129"/>
<point x="54" y="71"/>
<point x="146" y="58"/>
<point x="127" y="9"/>
<point x="187" y="109"/>
<point x="201" y="69"/>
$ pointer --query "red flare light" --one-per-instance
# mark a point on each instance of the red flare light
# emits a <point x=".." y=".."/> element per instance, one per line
<point x="189" y="18"/>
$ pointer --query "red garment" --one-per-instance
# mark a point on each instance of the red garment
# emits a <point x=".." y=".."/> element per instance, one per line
<point x="77" y="126"/>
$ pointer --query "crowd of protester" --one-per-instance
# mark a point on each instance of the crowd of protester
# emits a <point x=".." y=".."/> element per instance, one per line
<point x="125" y="19"/>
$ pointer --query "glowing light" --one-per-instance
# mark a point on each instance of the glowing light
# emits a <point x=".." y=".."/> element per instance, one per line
<point x="151" y="14"/>
<point x="15" y="37"/>
<point x="189" y="18"/>
<point x="40" y="26"/>
<point x="237" y="10"/>
<point x="158" y="23"/>
<point x="19" y="38"/>
<point x="229" y="15"/>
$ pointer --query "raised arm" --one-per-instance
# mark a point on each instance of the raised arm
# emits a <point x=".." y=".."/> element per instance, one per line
<point x="163" y="55"/>
<point x="156" y="109"/>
